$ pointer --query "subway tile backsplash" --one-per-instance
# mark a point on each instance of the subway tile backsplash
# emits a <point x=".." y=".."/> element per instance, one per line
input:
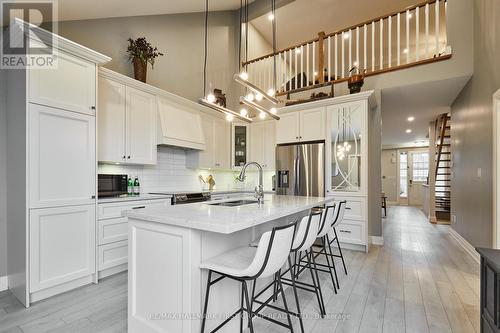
<point x="171" y="174"/>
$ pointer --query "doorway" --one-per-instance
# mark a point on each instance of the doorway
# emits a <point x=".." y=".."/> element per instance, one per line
<point x="413" y="174"/>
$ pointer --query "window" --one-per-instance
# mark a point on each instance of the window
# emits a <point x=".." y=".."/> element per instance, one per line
<point x="403" y="175"/>
<point x="420" y="166"/>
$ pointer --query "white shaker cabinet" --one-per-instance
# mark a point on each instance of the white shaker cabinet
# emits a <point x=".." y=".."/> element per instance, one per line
<point x="217" y="152"/>
<point x="62" y="245"/>
<point x="51" y="172"/>
<point x="111" y="124"/>
<point x="263" y="143"/>
<point x="127" y="121"/>
<point x="61" y="157"/>
<point x="141" y="127"/>
<point x="301" y="126"/>
<point x="71" y="85"/>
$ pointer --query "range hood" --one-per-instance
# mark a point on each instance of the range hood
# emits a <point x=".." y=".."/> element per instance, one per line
<point x="179" y="124"/>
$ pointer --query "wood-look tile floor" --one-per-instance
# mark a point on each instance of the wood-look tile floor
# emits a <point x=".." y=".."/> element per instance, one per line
<point x="419" y="281"/>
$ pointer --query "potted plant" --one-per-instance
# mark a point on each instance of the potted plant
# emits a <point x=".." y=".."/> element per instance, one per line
<point x="140" y="52"/>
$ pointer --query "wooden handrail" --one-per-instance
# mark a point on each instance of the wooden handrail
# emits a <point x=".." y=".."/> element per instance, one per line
<point x="359" y="25"/>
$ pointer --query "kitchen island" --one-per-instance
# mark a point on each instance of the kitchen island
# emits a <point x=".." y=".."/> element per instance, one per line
<point x="167" y="246"/>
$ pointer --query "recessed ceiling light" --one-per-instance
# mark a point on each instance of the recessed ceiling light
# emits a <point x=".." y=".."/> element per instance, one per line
<point x="270" y="17"/>
<point x="408" y="130"/>
<point x="411" y="118"/>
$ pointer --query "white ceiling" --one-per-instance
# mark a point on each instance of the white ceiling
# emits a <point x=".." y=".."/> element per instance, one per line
<point x="94" y="9"/>
<point x="301" y="20"/>
<point x="422" y="101"/>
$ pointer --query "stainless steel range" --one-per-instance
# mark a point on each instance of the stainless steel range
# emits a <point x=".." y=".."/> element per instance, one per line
<point x="187" y="197"/>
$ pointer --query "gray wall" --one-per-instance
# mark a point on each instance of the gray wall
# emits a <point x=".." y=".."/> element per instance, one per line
<point x="179" y="37"/>
<point x="472" y="131"/>
<point x="3" y="179"/>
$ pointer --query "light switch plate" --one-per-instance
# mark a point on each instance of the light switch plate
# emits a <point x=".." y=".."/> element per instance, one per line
<point x="479" y="172"/>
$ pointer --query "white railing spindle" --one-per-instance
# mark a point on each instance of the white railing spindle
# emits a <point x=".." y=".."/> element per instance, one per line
<point x="307" y="65"/>
<point x="336" y="57"/>
<point x="301" y="65"/>
<point x="427" y="30"/>
<point x="373" y="46"/>
<point x="381" y="44"/>
<point x="399" y="39"/>
<point x="329" y="58"/>
<point x="437" y="27"/>
<point x="290" y="77"/>
<point x="389" y="40"/>
<point x="407" y="36"/>
<point x="350" y="50"/>
<point x="314" y="62"/>
<point x="417" y="33"/>
<point x="343" y="54"/>
<point x="365" y="51"/>
<point x="357" y="47"/>
<point x="295" y="68"/>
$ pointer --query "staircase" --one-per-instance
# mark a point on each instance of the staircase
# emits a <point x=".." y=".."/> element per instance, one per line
<point x="443" y="167"/>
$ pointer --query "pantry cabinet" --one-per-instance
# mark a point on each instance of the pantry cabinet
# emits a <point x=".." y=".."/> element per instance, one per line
<point x="62" y="245"/>
<point x="263" y="143"/>
<point x="70" y="85"/>
<point x="127" y="121"/>
<point x="51" y="172"/>
<point x="62" y="145"/>
<point x="301" y="126"/>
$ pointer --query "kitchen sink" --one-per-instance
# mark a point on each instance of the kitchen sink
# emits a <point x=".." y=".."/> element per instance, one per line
<point x="234" y="203"/>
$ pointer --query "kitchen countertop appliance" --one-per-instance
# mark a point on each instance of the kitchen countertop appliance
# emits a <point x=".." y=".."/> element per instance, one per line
<point x="111" y="185"/>
<point x="187" y="197"/>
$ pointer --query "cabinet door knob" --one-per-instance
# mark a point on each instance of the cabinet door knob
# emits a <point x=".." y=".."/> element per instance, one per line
<point x="92" y="107"/>
<point x="128" y="157"/>
<point x="92" y="197"/>
<point x="124" y="157"/>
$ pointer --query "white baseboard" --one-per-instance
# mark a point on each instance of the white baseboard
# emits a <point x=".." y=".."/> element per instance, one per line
<point x="4" y="283"/>
<point x="377" y="240"/>
<point x="465" y="245"/>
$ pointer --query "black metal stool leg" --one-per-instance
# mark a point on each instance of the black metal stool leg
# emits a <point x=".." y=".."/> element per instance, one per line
<point x="249" y="309"/>
<point x="319" y="283"/>
<point x="242" y="311"/>
<point x="340" y="250"/>
<point x="296" y="295"/>
<point x="318" y="295"/>
<point x="280" y="287"/>
<point x="204" y="318"/>
<point x="324" y="241"/>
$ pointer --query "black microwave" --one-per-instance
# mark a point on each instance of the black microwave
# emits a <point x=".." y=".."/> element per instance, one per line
<point x="111" y="185"/>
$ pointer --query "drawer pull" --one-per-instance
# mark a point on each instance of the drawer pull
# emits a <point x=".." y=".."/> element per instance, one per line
<point x="345" y="231"/>
<point x="139" y="207"/>
<point x="348" y="208"/>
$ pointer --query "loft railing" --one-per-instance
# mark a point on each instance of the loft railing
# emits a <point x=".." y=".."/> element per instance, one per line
<point x="414" y="36"/>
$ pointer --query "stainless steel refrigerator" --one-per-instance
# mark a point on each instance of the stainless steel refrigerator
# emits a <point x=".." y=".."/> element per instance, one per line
<point x="301" y="169"/>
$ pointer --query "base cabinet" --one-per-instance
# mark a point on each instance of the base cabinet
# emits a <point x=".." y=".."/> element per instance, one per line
<point x="62" y="245"/>
<point x="112" y="234"/>
<point x="490" y="290"/>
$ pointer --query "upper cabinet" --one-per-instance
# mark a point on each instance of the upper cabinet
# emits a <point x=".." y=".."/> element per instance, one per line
<point x="71" y="85"/>
<point x="240" y="144"/>
<point x="263" y="143"/>
<point x="301" y="126"/>
<point x="126" y="123"/>
<point x="217" y="138"/>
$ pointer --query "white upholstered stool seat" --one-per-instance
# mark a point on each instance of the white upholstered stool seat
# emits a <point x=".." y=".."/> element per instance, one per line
<point x="234" y="263"/>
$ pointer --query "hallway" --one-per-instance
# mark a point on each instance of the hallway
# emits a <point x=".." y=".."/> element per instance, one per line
<point x="419" y="281"/>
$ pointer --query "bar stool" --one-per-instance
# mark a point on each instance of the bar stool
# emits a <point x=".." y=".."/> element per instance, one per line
<point x="339" y="216"/>
<point x="322" y="236"/>
<point x="303" y="241"/>
<point x="249" y="264"/>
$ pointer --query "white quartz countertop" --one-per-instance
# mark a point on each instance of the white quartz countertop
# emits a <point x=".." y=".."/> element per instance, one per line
<point x="226" y="220"/>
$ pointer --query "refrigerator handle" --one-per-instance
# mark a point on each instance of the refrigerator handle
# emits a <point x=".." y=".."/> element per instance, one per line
<point x="297" y="175"/>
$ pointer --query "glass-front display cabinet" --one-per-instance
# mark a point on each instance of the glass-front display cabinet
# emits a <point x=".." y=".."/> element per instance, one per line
<point x="240" y="134"/>
<point x="347" y="124"/>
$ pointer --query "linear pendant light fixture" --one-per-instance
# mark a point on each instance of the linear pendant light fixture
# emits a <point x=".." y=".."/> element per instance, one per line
<point x="257" y="107"/>
<point x="209" y="100"/>
<point x="242" y="77"/>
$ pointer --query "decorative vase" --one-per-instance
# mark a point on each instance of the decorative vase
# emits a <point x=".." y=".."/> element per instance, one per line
<point x="140" y="70"/>
<point x="355" y="83"/>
